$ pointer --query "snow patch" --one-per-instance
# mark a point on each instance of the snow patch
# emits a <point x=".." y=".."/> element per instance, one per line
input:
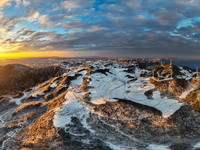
<point x="18" y="100"/>
<point x="71" y="108"/>
<point x="64" y="74"/>
<point x="54" y="85"/>
<point x="115" y="147"/>
<point x="117" y="88"/>
<point x="157" y="147"/>
<point x="197" y="145"/>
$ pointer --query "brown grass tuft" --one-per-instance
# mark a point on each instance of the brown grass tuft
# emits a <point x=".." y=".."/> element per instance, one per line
<point x="195" y="82"/>
<point x="86" y="96"/>
<point x="59" y="90"/>
<point x="57" y="102"/>
<point x="28" y="106"/>
<point x="41" y="131"/>
<point x="84" y="86"/>
<point x="164" y="123"/>
<point x="23" y="118"/>
<point x="194" y="99"/>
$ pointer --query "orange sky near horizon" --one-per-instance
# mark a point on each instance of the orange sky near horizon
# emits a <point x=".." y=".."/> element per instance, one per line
<point x="36" y="54"/>
<point x="101" y="53"/>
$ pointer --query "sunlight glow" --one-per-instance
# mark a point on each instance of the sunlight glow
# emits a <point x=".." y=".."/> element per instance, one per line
<point x="35" y="54"/>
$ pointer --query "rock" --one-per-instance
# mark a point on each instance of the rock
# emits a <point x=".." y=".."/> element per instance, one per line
<point x="180" y="146"/>
<point x="149" y="94"/>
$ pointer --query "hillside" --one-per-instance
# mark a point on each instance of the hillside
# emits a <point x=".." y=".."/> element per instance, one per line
<point x="15" y="78"/>
<point x="100" y="105"/>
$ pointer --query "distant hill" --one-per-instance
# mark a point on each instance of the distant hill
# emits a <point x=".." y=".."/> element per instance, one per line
<point x="16" y="77"/>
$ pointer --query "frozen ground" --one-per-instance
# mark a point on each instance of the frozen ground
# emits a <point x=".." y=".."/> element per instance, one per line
<point x="82" y="121"/>
<point x="109" y="88"/>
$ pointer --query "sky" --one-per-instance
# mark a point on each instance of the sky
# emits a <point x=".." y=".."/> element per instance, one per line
<point x="109" y="28"/>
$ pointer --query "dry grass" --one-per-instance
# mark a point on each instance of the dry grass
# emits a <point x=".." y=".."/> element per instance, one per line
<point x="160" y="86"/>
<point x="87" y="67"/>
<point x="59" y="90"/>
<point x="178" y="86"/>
<point x="66" y="70"/>
<point x="41" y="131"/>
<point x="196" y="106"/>
<point x="120" y="110"/>
<point x="57" y="102"/>
<point x="195" y="82"/>
<point x="194" y="99"/>
<point x="164" y="123"/>
<point x="64" y="80"/>
<point x="89" y="72"/>
<point x="167" y="69"/>
<point x="23" y="118"/>
<point x="86" y="96"/>
<point x="56" y="79"/>
<point x="175" y="86"/>
<point x="44" y="89"/>
<point x="48" y="97"/>
<point x="27" y="106"/>
<point x="133" y="116"/>
<point x="84" y="86"/>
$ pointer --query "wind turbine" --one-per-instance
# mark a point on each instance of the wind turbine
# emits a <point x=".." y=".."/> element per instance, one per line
<point x="171" y="67"/>
<point x="197" y="72"/>
<point x="153" y="73"/>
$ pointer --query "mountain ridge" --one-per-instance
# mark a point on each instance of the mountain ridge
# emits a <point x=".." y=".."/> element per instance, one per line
<point x="81" y="107"/>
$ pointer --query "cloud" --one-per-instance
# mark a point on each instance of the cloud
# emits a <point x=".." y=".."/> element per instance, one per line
<point x="74" y="25"/>
<point x="4" y="3"/>
<point x="25" y="31"/>
<point x="133" y="26"/>
<point x="9" y="24"/>
<point x="18" y="3"/>
<point x="69" y="5"/>
<point x="44" y="21"/>
<point x="165" y="17"/>
<point x="59" y="17"/>
<point x="2" y="30"/>
<point x="26" y="2"/>
<point x="33" y="17"/>
<point x="95" y="29"/>
<point x="7" y="33"/>
<point x="193" y="3"/>
<point x="133" y="4"/>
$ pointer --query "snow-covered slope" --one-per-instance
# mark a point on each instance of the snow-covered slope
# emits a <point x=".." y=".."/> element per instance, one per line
<point x="101" y="105"/>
